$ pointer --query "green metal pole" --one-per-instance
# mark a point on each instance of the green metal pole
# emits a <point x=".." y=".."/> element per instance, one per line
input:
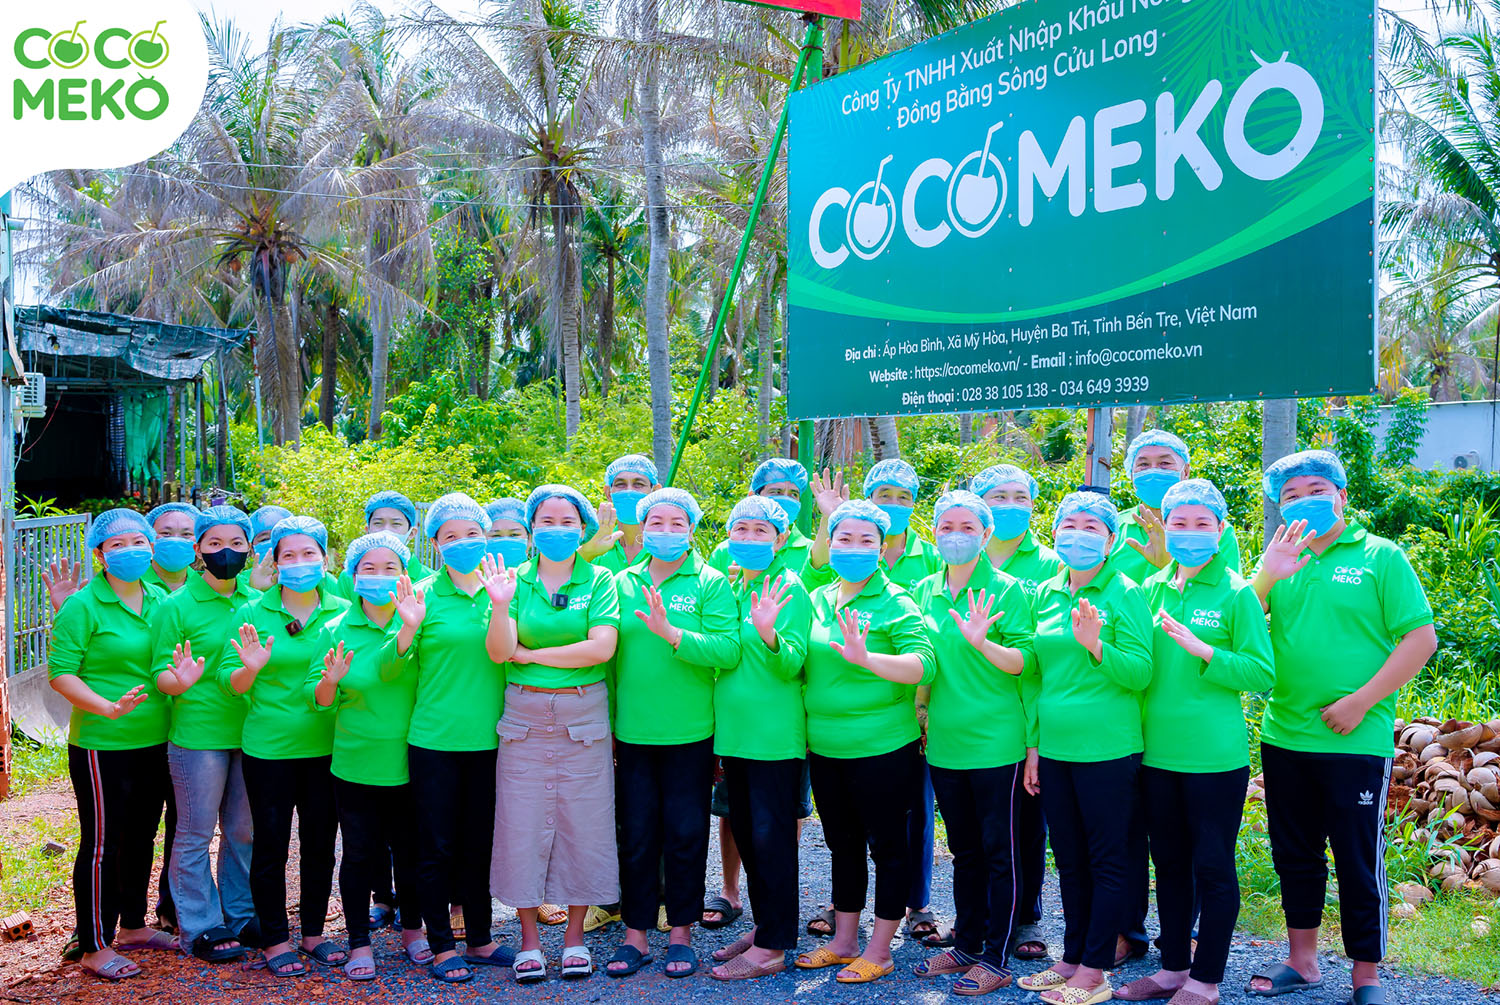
<point x="812" y="40"/>
<point x="806" y="447"/>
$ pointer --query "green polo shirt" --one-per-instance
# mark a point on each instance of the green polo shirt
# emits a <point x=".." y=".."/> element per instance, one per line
<point x="758" y="711"/>
<point x="793" y="555"/>
<point x="280" y="724"/>
<point x="154" y="579"/>
<point x="1032" y="562"/>
<point x="664" y="696"/>
<point x="975" y="716"/>
<point x="592" y="602"/>
<point x="344" y="585"/>
<point x="1087" y="710"/>
<point x="1333" y="626"/>
<point x="373" y="706"/>
<point x="108" y="646"/>
<point x="615" y="559"/>
<point x="460" y="690"/>
<point x="1133" y="564"/>
<point x="1193" y="719"/>
<point x="205" y="716"/>
<point x="851" y="711"/>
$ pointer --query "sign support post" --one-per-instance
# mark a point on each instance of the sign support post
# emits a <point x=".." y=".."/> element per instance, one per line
<point x="811" y="42"/>
<point x="807" y="447"/>
<point x="1098" y="449"/>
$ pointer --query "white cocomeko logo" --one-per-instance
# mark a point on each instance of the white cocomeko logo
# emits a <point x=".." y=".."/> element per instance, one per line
<point x="977" y="188"/>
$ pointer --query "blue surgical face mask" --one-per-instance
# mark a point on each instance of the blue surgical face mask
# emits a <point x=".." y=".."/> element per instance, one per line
<point x="668" y="546"/>
<point x="510" y="550"/>
<point x="463" y="556"/>
<point x="378" y="590"/>
<point x="1151" y="485"/>
<point x="854" y="564"/>
<point x="128" y="564"/>
<point x="174" y="553"/>
<point x="752" y="555"/>
<point x="792" y="507"/>
<point x="1080" y="549"/>
<point x="301" y="576"/>
<point x="900" y="517"/>
<point x="625" y="502"/>
<point x="959" y="548"/>
<point x="1316" y="510"/>
<point x="557" y="544"/>
<point x="1011" y="521"/>
<point x="261" y="549"/>
<point x="1192" y="548"/>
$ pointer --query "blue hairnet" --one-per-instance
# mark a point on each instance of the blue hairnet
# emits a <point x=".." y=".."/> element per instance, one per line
<point x="267" y="517"/>
<point x="1319" y="463"/>
<point x="454" y="506"/>
<point x="1001" y="474"/>
<point x="671" y="497"/>
<point x="391" y="499"/>
<point x="964" y="499"/>
<point x="311" y="526"/>
<point x="892" y="471"/>
<point x="1092" y="503"/>
<point x="172" y="507"/>
<point x="1155" y="438"/>
<point x="778" y="469"/>
<point x="1195" y="492"/>
<point x="366" y="543"/>
<point x="585" y="509"/>
<point x="117" y="521"/>
<point x="759" y="508"/>
<point x="639" y="463"/>
<point x="860" y="509"/>
<point x="221" y="516"/>
<point x="507" y="508"/>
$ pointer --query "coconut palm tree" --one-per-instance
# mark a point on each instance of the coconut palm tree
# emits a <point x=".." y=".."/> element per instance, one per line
<point x="611" y="238"/>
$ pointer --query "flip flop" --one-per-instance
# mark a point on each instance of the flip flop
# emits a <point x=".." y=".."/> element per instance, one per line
<point x="916" y="920"/>
<point x="1368" y="994"/>
<point x="1044" y="981"/>
<point x="360" y="968"/>
<point x="863" y="971"/>
<point x="981" y="979"/>
<point x="1028" y="935"/>
<point x="419" y="952"/>
<point x="444" y="971"/>
<point x="204" y="947"/>
<point x="323" y="953"/>
<point x="1186" y="997"/>
<point x="662" y="925"/>
<point x="740" y="969"/>
<point x="156" y="940"/>
<point x="551" y="914"/>
<point x="116" y="969"/>
<point x="530" y="975"/>
<point x="577" y="971"/>
<point x="824" y="917"/>
<point x="1065" y="995"/>
<point x="380" y="916"/>
<point x="727" y="912"/>
<point x="633" y="959"/>
<point x="1284" y="980"/>
<point x="1144" y="990"/>
<point x="289" y="958"/>
<point x="598" y="917"/>
<point x="681" y="954"/>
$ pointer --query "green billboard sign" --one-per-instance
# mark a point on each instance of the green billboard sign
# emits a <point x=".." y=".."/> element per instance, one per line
<point x="1089" y="204"/>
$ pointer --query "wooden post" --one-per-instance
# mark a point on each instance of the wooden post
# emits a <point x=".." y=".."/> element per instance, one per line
<point x="1097" y="448"/>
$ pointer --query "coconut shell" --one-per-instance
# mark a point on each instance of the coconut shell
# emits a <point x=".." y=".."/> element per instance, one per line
<point x="1428" y="720"/>
<point x="1415" y="738"/>
<point x="1431" y="751"/>
<point x="1492" y="746"/>
<point x="1403" y="912"/>
<point x="1441" y="768"/>
<point x="1480" y="927"/>
<point x="1452" y="883"/>
<point x="1486" y="758"/>
<point x="1490" y="880"/>
<point x="1414" y="894"/>
<point x="1478" y="778"/>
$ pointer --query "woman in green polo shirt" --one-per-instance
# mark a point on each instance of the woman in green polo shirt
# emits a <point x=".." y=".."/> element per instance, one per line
<point x="867" y="653"/>
<point x="679" y="623"/>
<point x="509" y="540"/>
<point x="1211" y="646"/>
<point x="1333" y="590"/>
<point x="782" y="481"/>
<point x="370" y="691"/>
<point x="451" y="741"/>
<point x="760" y="732"/>
<point x="555" y="628"/>
<point x="979" y="620"/>
<point x="1014" y="550"/>
<point x="627" y="480"/>
<point x="1092" y="657"/>
<point x="173" y="553"/>
<point x="99" y="659"/>
<point x="287" y="743"/>
<point x="203" y="749"/>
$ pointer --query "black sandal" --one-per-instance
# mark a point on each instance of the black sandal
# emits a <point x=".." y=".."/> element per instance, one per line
<point x="444" y="971"/>
<point x="1028" y="935"/>
<point x="206" y="946"/>
<point x="826" y="918"/>
<point x="287" y="959"/>
<point x="727" y="912"/>
<point x="323" y="954"/>
<point x="633" y="959"/>
<point x="1284" y="980"/>
<point x="677" y="953"/>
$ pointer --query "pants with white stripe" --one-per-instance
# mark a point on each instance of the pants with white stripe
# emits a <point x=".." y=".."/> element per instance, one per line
<point x="979" y="810"/>
<point x="1316" y="801"/>
<point x="120" y="795"/>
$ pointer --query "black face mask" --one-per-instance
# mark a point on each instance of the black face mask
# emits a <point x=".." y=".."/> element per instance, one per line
<point x="225" y="563"/>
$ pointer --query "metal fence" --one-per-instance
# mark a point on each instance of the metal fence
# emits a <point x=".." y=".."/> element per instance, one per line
<point x="38" y="542"/>
<point x="424" y="550"/>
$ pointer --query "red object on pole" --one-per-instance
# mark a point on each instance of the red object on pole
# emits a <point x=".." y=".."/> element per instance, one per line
<point x="847" y="9"/>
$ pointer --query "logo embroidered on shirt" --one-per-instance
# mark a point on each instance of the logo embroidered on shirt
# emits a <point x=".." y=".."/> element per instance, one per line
<point x="1367" y="798"/>
<point x="685" y="603"/>
<point x="1208" y="619"/>
<point x="1351" y="574"/>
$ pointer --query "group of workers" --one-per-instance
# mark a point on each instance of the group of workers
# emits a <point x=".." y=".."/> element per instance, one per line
<point x="553" y="715"/>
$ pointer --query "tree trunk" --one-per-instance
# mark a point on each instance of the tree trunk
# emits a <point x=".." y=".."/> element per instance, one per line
<point x="886" y="442"/>
<point x="200" y="431"/>
<point x="607" y="329"/>
<point x="486" y="350"/>
<point x="380" y="350"/>
<point x="1278" y="432"/>
<point x="763" y="351"/>
<point x="328" y="375"/>
<point x="289" y="393"/>
<point x="658" y="267"/>
<point x="965" y="428"/>
<point x="169" y="472"/>
<point x="565" y="316"/>
<point x="1135" y="421"/>
<point x="221" y="434"/>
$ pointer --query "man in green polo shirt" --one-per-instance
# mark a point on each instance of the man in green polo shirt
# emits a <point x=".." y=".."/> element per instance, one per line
<point x="1350" y="625"/>
<point x="173" y="553"/>
<point x="781" y="480"/>
<point x="1156" y="460"/>
<point x="388" y="512"/>
<point x="627" y="480"/>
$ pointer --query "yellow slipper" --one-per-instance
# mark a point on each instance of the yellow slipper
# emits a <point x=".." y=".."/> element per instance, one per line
<point x="1080" y="996"/>
<point x="823" y="957"/>
<point x="551" y="914"/>
<point x="1044" y="981"/>
<point x="862" y="971"/>
<point x="597" y="918"/>
<point x="661" y="919"/>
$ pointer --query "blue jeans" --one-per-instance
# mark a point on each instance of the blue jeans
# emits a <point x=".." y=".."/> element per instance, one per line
<point x="210" y="790"/>
<point x="920" y="834"/>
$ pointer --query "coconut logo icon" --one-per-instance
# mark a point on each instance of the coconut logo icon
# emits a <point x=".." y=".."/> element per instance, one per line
<point x="977" y="190"/>
<point x="872" y="217"/>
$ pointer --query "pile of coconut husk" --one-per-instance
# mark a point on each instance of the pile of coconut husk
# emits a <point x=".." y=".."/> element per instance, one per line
<point x="1446" y="777"/>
